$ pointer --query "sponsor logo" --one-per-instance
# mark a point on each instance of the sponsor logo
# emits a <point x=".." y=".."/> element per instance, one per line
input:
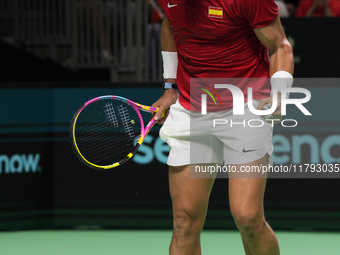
<point x="245" y="151"/>
<point x="298" y="146"/>
<point x="171" y="5"/>
<point x="296" y="149"/>
<point x="152" y="148"/>
<point x="20" y="163"/>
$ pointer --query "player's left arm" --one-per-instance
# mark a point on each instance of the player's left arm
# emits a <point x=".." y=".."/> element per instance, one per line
<point x="280" y="53"/>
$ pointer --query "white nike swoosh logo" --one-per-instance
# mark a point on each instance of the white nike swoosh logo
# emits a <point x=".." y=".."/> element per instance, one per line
<point x="173" y="5"/>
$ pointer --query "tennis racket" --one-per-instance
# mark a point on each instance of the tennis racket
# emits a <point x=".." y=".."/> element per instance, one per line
<point x="107" y="131"/>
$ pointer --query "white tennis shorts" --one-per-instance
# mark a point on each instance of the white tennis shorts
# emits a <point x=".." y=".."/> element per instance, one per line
<point x="217" y="137"/>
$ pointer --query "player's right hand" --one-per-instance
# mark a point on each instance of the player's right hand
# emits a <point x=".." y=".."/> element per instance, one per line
<point x="164" y="102"/>
<point x="266" y="103"/>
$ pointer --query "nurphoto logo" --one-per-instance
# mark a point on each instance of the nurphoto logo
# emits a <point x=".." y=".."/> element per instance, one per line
<point x="238" y="105"/>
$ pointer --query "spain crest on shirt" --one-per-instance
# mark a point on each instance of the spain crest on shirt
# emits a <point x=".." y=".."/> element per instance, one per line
<point x="215" y="12"/>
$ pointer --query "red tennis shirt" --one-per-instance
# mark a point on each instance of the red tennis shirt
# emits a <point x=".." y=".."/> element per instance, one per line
<point x="215" y="39"/>
<point x="305" y="5"/>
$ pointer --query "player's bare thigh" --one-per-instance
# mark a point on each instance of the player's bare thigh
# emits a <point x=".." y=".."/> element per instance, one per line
<point x="246" y="191"/>
<point x="187" y="193"/>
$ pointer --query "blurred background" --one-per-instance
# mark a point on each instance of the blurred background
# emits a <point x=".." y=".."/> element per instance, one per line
<point x="56" y="55"/>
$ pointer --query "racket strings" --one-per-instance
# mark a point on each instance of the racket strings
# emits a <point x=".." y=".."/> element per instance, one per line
<point x="126" y="121"/>
<point x="107" y="131"/>
<point x="104" y="148"/>
<point x="110" y="114"/>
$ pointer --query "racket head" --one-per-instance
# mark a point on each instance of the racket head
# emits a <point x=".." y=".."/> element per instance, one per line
<point x="106" y="131"/>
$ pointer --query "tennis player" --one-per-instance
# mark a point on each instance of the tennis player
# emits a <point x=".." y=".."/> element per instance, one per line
<point x="220" y="39"/>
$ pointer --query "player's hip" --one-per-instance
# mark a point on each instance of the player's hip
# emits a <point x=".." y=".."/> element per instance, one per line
<point x="184" y="124"/>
